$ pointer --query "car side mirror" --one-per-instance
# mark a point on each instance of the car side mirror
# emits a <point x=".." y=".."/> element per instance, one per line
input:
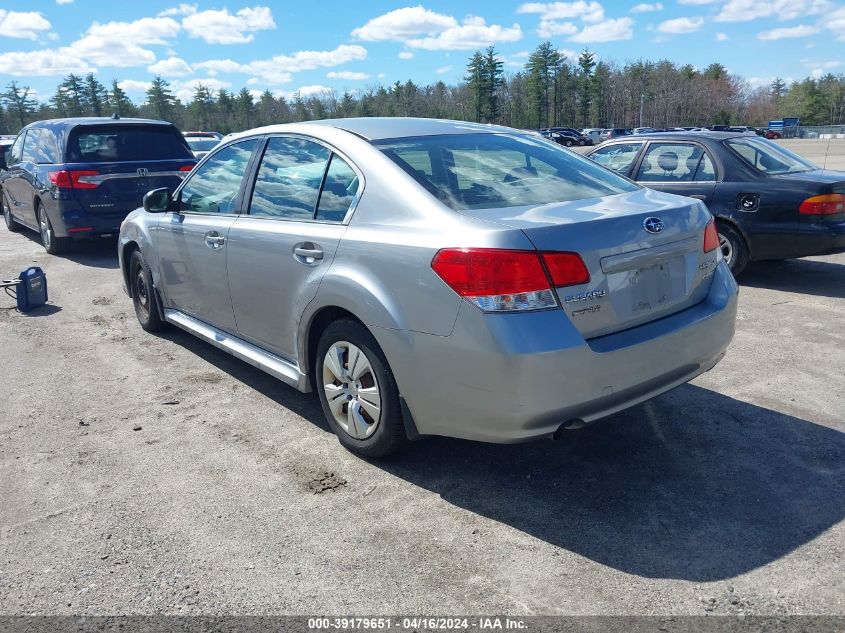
<point x="158" y="200"/>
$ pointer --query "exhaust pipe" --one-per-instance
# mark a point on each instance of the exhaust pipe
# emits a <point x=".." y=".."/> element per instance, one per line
<point x="570" y="425"/>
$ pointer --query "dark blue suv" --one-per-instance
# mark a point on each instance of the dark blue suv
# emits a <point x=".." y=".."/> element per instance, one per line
<point x="76" y="178"/>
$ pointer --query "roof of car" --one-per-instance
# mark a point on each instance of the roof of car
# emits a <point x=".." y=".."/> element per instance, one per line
<point x="682" y="136"/>
<point x="72" y="122"/>
<point x="377" y="128"/>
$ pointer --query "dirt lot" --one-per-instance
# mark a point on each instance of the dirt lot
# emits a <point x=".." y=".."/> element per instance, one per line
<point x="155" y="474"/>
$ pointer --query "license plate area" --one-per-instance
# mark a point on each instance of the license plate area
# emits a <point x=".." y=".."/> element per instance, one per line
<point x="648" y="290"/>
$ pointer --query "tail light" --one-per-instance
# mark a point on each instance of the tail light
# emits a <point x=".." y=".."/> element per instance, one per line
<point x="74" y="179"/>
<point x="186" y="167"/>
<point x="499" y="280"/>
<point x="711" y="237"/>
<point x="828" y="204"/>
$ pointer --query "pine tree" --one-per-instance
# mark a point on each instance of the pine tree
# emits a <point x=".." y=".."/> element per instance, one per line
<point x="74" y="95"/>
<point x="119" y="103"/>
<point x="493" y="83"/>
<point x="543" y="66"/>
<point x="96" y="96"/>
<point x="244" y="109"/>
<point x="586" y="64"/>
<point x="160" y="99"/>
<point x="476" y="79"/>
<point x="18" y="102"/>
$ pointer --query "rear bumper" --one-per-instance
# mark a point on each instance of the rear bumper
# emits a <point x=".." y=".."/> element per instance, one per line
<point x="509" y="378"/>
<point x="72" y="222"/>
<point x="818" y="238"/>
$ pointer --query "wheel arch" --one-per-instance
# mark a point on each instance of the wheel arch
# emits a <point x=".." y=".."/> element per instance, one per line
<point x="126" y="251"/>
<point x="740" y="231"/>
<point x="317" y="324"/>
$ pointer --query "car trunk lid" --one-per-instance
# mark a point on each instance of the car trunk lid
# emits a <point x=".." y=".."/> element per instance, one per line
<point x="639" y="271"/>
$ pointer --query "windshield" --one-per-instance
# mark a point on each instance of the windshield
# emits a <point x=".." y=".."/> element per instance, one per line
<point x="768" y="157"/>
<point x="491" y="171"/>
<point x="108" y="143"/>
<point x="201" y="143"/>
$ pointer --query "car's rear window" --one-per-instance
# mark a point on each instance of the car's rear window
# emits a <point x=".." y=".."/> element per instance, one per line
<point x="768" y="157"/>
<point x="116" y="143"/>
<point x="202" y="143"/>
<point x="481" y="171"/>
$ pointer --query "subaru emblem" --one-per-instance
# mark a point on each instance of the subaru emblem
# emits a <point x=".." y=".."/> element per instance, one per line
<point x="143" y="171"/>
<point x="653" y="225"/>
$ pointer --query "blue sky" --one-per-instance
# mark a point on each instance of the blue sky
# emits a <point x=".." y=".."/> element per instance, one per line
<point x="330" y="44"/>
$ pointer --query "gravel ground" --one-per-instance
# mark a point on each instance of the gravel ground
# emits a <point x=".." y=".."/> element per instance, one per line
<point x="146" y="474"/>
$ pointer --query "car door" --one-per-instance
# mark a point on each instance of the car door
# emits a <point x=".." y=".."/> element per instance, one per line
<point x="12" y="178"/>
<point x="620" y="157"/>
<point x="278" y="252"/>
<point x="682" y="168"/>
<point x="191" y="240"/>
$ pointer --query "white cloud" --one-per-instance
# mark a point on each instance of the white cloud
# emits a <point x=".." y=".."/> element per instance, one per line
<point x="172" y="67"/>
<point x="347" y="75"/>
<point x="696" y="2"/>
<point x="801" y="30"/>
<point x="119" y="43"/>
<point x="474" y="32"/>
<point x="644" y="7"/>
<point x="406" y="55"/>
<point x="551" y="28"/>
<point x="64" y="1"/>
<point x="312" y="91"/>
<point x="835" y="23"/>
<point x="747" y="10"/>
<point x="382" y="75"/>
<point x="182" y="9"/>
<point x="419" y="27"/>
<point x="587" y="11"/>
<point x="607" y="31"/>
<point x="222" y="27"/>
<point x="443" y="70"/>
<point x="402" y="24"/>
<point x="134" y="86"/>
<point x="24" y="25"/>
<point x="681" y="25"/>
<point x="280" y="69"/>
<point x="721" y="37"/>
<point x="42" y="63"/>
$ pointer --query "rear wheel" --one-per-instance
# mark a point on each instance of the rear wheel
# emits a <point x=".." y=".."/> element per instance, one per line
<point x="568" y="142"/>
<point x="733" y="247"/>
<point x="52" y="244"/>
<point x="144" y="297"/>
<point x="11" y="223"/>
<point x="358" y="392"/>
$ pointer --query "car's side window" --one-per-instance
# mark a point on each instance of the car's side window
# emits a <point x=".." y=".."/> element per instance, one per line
<point x="673" y="162"/>
<point x="47" y="149"/>
<point x="705" y="172"/>
<point x="618" y="157"/>
<point x="16" y="151"/>
<point x="215" y="185"/>
<point x="339" y="189"/>
<point x="288" y="182"/>
<point x="29" y="146"/>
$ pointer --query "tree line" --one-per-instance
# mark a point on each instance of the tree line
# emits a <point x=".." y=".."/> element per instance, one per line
<point x="550" y="89"/>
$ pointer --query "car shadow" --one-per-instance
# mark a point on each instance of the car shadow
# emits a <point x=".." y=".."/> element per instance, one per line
<point x="806" y="276"/>
<point x="693" y="485"/>
<point x="100" y="252"/>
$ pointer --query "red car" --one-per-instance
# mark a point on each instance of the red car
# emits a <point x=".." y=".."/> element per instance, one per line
<point x="771" y="134"/>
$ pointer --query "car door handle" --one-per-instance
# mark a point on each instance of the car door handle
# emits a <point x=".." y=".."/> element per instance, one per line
<point x="214" y="240"/>
<point x="307" y="253"/>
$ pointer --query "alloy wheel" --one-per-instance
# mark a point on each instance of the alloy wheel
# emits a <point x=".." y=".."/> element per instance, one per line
<point x="727" y="249"/>
<point x="44" y="228"/>
<point x="352" y="390"/>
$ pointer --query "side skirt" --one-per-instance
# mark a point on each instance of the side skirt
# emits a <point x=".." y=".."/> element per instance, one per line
<point x="284" y="370"/>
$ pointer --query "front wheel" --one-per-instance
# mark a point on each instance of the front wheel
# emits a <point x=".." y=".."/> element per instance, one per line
<point x="733" y="247"/>
<point x="357" y="390"/>
<point x="144" y="298"/>
<point x="11" y="223"/>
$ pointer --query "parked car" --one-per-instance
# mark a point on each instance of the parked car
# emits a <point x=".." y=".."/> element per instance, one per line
<point x="582" y="139"/>
<point x="769" y="203"/>
<point x="78" y="178"/>
<point x="201" y="145"/>
<point x="5" y="143"/>
<point x="432" y="277"/>
<point x="565" y="139"/>
<point x="615" y="132"/>
<point x="773" y="134"/>
<point x="196" y="134"/>
<point x="593" y="133"/>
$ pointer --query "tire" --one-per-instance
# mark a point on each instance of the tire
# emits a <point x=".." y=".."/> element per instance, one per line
<point x="144" y="298"/>
<point x="581" y="142"/>
<point x="734" y="248"/>
<point x="568" y="142"/>
<point x="11" y="223"/>
<point x="52" y="244"/>
<point x="364" y="428"/>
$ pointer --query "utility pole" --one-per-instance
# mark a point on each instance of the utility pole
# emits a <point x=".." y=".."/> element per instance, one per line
<point x="642" y="98"/>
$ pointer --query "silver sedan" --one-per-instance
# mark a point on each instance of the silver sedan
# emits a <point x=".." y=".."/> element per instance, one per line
<point x="432" y="277"/>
